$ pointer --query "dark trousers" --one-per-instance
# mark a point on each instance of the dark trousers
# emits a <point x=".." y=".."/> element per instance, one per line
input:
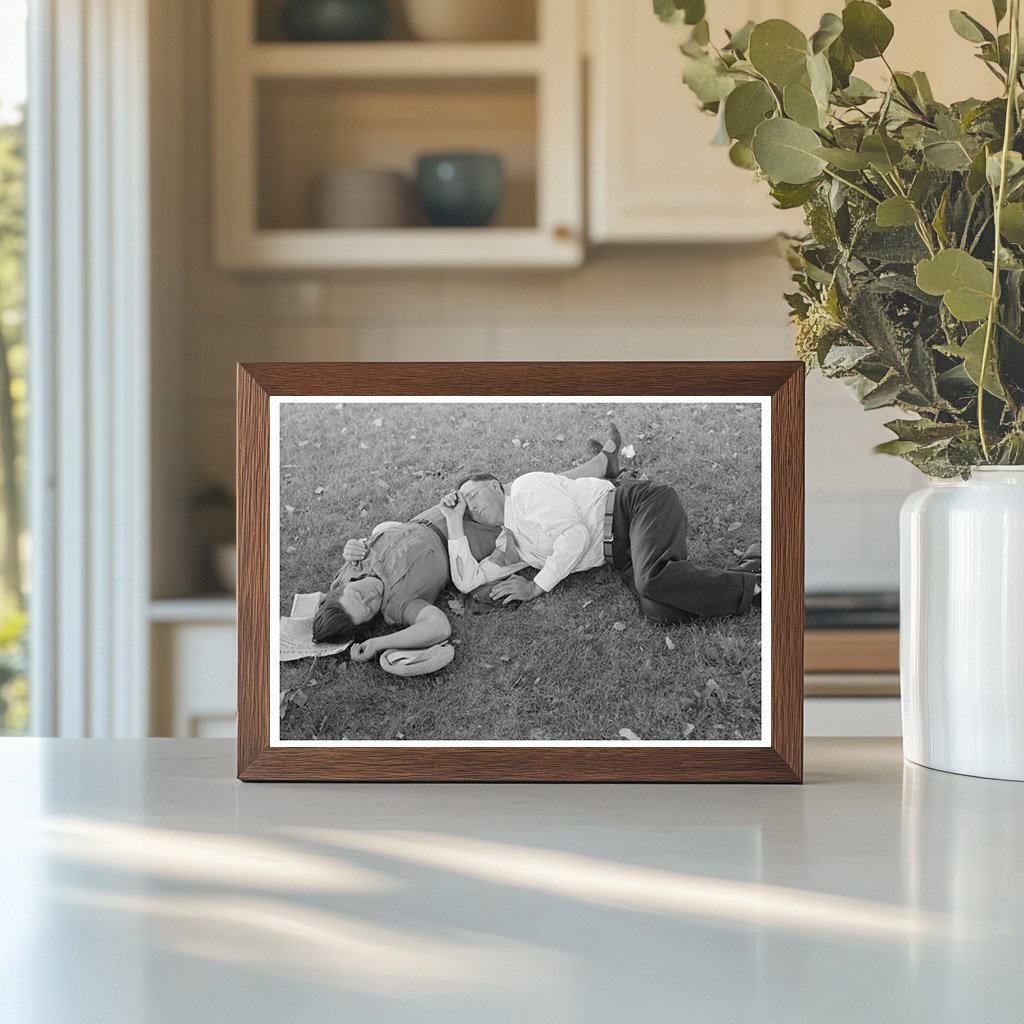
<point x="649" y="551"/>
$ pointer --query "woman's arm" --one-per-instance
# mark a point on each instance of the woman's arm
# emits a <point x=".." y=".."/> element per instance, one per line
<point x="429" y="626"/>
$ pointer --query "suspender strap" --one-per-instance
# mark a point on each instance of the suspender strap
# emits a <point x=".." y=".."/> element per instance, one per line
<point x="609" y="517"/>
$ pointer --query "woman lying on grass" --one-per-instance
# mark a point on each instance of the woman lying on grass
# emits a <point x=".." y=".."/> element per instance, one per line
<point x="402" y="568"/>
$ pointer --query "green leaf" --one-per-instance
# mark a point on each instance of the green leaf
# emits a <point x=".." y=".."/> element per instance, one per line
<point x="746" y="107"/>
<point x="739" y="41"/>
<point x="896" y="212"/>
<point x="676" y="12"/>
<point x="721" y="137"/>
<point x="999" y="6"/>
<point x="963" y="281"/>
<point x="883" y="153"/>
<point x="969" y="28"/>
<point x="885" y="394"/>
<point x="866" y="29"/>
<point x="1012" y="224"/>
<point x="708" y="80"/>
<point x="947" y="156"/>
<point x="741" y="155"/>
<point x="701" y="33"/>
<point x="858" y="91"/>
<point x="844" y="159"/>
<point x="830" y="29"/>
<point x="785" y="152"/>
<point x="976" y="175"/>
<point x="800" y="105"/>
<point x="841" y="60"/>
<point x="820" y="76"/>
<point x="923" y="431"/>
<point x="895" y="447"/>
<point x="921" y="186"/>
<point x="1014" y="169"/>
<point x="924" y="87"/>
<point x="778" y="50"/>
<point x="789" y="197"/>
<point x="971" y="352"/>
<point x="939" y="220"/>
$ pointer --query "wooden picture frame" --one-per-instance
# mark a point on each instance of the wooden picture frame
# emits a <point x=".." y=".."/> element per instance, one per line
<point x="778" y="757"/>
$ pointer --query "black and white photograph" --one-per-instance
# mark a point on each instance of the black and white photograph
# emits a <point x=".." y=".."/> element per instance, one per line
<point x="520" y="571"/>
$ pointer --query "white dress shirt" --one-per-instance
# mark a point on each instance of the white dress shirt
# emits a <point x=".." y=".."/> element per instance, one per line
<point x="556" y="524"/>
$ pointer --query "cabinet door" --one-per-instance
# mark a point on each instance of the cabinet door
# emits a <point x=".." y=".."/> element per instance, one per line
<point x="654" y="175"/>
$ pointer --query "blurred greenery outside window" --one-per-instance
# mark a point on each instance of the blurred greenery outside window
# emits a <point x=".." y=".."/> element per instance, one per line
<point x="14" y="548"/>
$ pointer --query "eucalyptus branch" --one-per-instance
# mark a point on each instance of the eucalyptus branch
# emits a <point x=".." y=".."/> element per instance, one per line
<point x="1000" y="198"/>
<point x="771" y="89"/>
<point x="923" y="227"/>
<point x="981" y="231"/>
<point x="853" y="185"/>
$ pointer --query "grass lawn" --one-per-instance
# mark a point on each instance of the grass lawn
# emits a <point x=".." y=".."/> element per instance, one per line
<point x="555" y="668"/>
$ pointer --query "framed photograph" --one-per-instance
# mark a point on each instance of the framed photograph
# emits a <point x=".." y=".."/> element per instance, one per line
<point x="517" y="572"/>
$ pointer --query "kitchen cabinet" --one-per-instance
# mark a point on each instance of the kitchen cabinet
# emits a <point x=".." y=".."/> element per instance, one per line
<point x="287" y="113"/>
<point x="653" y="175"/>
<point x="193" y="673"/>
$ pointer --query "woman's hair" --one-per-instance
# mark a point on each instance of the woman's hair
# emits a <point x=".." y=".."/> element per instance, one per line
<point x="332" y="624"/>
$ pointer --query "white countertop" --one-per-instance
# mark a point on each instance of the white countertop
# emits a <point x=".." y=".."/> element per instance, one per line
<point x="143" y="884"/>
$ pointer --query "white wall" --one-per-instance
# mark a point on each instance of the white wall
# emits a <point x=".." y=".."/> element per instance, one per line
<point x="666" y="303"/>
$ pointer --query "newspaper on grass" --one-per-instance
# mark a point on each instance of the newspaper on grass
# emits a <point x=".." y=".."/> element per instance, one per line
<point x="297" y="632"/>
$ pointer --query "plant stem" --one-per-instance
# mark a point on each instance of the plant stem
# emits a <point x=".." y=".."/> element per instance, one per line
<point x="922" y="225"/>
<point x="993" y="309"/>
<point x="850" y="184"/>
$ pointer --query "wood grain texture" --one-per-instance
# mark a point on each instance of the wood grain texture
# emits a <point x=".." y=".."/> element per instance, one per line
<point x="852" y="650"/>
<point x="781" y="762"/>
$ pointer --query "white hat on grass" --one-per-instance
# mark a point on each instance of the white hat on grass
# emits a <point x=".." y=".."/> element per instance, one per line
<point x="419" y="662"/>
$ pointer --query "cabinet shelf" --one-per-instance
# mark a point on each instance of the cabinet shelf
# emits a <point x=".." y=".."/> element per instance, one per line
<point x="286" y="114"/>
<point x="310" y="248"/>
<point x="393" y="60"/>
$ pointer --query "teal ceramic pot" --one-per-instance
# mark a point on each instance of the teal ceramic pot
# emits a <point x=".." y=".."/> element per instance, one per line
<point x="460" y="189"/>
<point x="333" y="21"/>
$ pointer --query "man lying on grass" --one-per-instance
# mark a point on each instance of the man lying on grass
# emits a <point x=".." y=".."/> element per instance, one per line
<point x="561" y="526"/>
<point x="402" y="568"/>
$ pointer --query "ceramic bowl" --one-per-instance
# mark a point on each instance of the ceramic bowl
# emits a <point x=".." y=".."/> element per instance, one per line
<point x="358" y="197"/>
<point x="460" y="189"/>
<point x="334" y="20"/>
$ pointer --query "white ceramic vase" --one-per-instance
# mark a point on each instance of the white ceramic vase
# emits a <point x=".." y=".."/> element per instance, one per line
<point x="962" y="624"/>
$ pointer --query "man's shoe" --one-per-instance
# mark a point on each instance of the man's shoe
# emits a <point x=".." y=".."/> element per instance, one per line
<point x="750" y="561"/>
<point x="611" y="449"/>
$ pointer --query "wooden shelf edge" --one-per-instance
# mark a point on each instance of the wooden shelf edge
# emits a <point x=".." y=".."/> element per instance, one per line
<point x="392" y="60"/>
<point x="406" y="248"/>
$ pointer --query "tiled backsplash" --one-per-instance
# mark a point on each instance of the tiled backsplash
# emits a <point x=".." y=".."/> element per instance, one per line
<point x="702" y="303"/>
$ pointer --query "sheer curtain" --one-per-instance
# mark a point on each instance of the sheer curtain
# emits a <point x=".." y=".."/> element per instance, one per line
<point x="88" y="300"/>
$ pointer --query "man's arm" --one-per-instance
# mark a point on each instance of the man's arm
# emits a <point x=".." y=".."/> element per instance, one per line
<point x="468" y="573"/>
<point x="569" y="548"/>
